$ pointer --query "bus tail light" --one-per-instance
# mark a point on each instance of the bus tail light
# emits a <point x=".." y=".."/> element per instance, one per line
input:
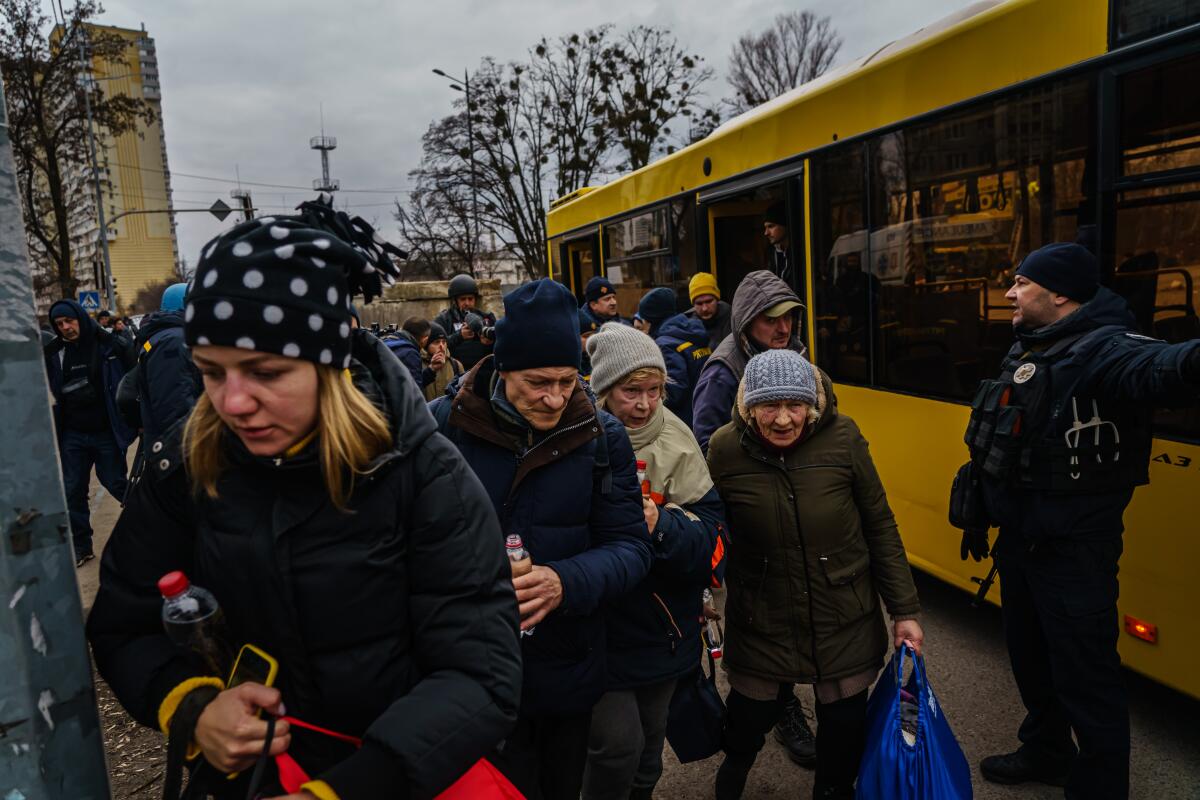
<point x="1140" y="629"/>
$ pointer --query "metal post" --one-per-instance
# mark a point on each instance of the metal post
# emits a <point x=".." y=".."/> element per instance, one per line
<point x="49" y="726"/>
<point x="87" y="104"/>
<point x="474" y="180"/>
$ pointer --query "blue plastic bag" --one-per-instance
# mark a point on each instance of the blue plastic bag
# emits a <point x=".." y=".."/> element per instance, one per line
<point x="931" y="768"/>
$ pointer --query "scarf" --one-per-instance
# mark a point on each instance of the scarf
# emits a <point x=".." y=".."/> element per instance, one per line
<point x="675" y="466"/>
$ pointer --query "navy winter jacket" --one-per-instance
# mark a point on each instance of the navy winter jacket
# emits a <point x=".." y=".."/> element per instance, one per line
<point x="408" y="351"/>
<point x="168" y="382"/>
<point x="115" y="357"/>
<point x="684" y="345"/>
<point x="654" y="630"/>
<point x="572" y="495"/>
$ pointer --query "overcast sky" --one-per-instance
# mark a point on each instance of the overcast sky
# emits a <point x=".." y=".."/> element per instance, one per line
<point x="243" y="82"/>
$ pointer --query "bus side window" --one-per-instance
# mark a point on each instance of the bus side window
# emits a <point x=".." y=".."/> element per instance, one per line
<point x="1156" y="256"/>
<point x="842" y="284"/>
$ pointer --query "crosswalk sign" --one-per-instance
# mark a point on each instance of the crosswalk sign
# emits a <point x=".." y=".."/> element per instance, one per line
<point x="90" y="301"/>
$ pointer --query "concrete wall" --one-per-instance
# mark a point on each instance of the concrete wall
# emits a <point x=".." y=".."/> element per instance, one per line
<point x="423" y="299"/>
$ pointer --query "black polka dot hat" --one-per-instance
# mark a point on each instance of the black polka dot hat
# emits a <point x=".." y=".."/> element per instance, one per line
<point x="285" y="284"/>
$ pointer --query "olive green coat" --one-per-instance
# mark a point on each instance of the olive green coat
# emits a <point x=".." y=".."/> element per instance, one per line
<point x="813" y="546"/>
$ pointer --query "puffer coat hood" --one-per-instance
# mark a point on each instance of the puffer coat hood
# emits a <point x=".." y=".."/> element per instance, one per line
<point x="87" y="325"/>
<point x="757" y="292"/>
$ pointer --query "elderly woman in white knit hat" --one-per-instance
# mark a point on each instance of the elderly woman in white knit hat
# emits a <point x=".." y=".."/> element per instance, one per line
<point x="814" y="547"/>
<point x="653" y="633"/>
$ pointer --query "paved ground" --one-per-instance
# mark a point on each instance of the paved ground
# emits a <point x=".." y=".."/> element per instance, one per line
<point x="967" y="667"/>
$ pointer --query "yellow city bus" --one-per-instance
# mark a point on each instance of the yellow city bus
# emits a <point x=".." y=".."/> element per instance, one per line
<point x="915" y="178"/>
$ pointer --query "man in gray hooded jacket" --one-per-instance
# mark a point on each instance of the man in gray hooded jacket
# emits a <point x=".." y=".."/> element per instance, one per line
<point x="766" y="316"/>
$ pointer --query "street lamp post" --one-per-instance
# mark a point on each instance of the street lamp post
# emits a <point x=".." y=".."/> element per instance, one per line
<point x="465" y="88"/>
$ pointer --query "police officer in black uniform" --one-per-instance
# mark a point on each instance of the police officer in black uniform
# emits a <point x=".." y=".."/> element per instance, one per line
<point x="1057" y="446"/>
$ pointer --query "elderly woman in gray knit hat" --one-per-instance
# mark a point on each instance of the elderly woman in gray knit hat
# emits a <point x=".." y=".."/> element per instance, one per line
<point x="653" y="632"/>
<point x="814" y="548"/>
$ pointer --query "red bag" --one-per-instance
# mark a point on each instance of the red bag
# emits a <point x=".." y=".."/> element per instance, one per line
<point x="481" y="782"/>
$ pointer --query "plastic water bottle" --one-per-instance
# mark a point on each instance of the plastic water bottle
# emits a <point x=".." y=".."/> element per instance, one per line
<point x="642" y="480"/>
<point x="192" y="619"/>
<point x="518" y="556"/>
<point x="520" y="561"/>
<point x="712" y="633"/>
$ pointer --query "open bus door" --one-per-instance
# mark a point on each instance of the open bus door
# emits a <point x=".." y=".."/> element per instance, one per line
<point x="737" y="244"/>
<point x="581" y="257"/>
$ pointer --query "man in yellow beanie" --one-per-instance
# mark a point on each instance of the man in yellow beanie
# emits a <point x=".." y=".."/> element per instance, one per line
<point x="709" y="308"/>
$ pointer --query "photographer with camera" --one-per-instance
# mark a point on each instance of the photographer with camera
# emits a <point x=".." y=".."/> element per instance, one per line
<point x="472" y="343"/>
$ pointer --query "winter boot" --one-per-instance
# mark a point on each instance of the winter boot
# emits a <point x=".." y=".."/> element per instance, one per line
<point x="1023" y="766"/>
<point x="795" y="735"/>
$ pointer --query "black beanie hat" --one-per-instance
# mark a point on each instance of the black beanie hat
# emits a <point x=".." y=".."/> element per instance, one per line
<point x="436" y="333"/>
<point x="539" y="328"/>
<point x="284" y="284"/>
<point x="1064" y="268"/>
<point x="598" y="287"/>
<point x="657" y="306"/>
<point x="777" y="213"/>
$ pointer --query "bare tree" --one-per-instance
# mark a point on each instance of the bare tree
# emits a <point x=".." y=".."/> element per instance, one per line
<point x="656" y="82"/>
<point x="576" y="72"/>
<point x="48" y="126"/>
<point x="510" y="115"/>
<point x="581" y="107"/>
<point x="438" y="222"/>
<point x="798" y="47"/>
<point x="439" y="241"/>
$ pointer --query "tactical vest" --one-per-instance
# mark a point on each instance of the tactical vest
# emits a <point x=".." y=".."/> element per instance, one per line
<point x="1037" y="428"/>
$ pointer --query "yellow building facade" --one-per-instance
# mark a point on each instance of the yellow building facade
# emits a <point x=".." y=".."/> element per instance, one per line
<point x="136" y="177"/>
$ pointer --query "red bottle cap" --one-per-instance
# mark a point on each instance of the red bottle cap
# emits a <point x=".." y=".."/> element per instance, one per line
<point x="640" y="464"/>
<point x="513" y="541"/>
<point x="173" y="583"/>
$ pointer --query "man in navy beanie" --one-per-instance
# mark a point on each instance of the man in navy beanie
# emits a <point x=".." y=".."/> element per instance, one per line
<point x="562" y="477"/>
<point x="600" y="302"/>
<point x="1058" y="444"/>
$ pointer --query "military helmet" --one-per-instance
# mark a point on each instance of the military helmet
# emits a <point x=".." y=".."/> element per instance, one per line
<point x="462" y="284"/>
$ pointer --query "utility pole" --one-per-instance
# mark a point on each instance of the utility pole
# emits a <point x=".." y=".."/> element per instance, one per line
<point x="87" y="104"/>
<point x="49" y="725"/>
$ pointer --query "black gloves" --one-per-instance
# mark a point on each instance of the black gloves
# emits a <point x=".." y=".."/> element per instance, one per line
<point x="974" y="544"/>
